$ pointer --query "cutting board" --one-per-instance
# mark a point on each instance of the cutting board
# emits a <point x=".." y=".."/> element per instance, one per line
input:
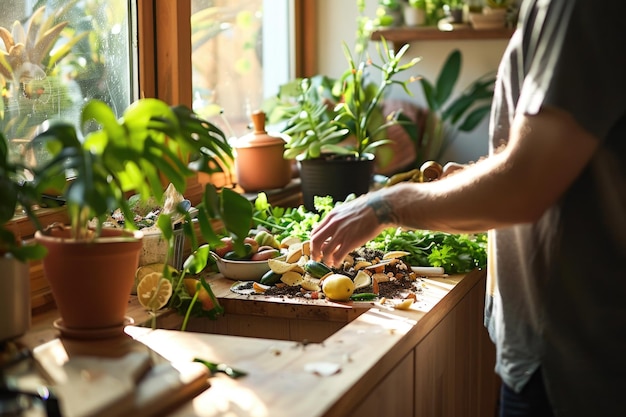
<point x="138" y="383"/>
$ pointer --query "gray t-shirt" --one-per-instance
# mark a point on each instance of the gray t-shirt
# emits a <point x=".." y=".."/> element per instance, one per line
<point x="560" y="298"/>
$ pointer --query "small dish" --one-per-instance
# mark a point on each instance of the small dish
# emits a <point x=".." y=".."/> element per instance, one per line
<point x="242" y="270"/>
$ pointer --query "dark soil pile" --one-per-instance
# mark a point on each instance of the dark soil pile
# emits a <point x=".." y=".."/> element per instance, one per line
<point x="402" y="280"/>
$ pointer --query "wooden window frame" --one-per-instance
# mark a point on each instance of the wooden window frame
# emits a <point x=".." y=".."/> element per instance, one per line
<point x="165" y="72"/>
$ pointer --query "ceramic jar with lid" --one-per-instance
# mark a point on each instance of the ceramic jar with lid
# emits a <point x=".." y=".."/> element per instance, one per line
<point x="259" y="161"/>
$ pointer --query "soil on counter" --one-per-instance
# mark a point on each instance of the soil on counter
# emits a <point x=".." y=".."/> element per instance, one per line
<point x="401" y="284"/>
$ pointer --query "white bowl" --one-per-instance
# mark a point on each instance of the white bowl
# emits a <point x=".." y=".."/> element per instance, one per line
<point x="242" y="270"/>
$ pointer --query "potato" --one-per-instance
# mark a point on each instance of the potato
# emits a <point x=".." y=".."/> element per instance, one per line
<point x="265" y="255"/>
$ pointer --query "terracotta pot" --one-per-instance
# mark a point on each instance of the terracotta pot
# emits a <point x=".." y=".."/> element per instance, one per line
<point x="14" y="298"/>
<point x="336" y="177"/>
<point x="91" y="281"/>
<point x="259" y="161"/>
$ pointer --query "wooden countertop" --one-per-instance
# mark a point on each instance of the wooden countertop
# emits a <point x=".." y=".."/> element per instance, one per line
<point x="279" y="382"/>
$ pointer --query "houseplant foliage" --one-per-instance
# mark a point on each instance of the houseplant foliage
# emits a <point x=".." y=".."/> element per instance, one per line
<point x="131" y="155"/>
<point x="333" y="122"/>
<point x="14" y="279"/>
<point x="448" y="116"/>
<point x="15" y="193"/>
<point x="320" y="112"/>
<point x="124" y="156"/>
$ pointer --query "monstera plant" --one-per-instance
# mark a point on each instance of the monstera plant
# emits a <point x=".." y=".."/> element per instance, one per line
<point x="91" y="269"/>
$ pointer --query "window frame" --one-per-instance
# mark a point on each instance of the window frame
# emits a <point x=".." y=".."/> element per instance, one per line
<point x="164" y="72"/>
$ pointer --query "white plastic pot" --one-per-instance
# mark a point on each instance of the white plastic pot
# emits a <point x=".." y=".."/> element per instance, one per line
<point x="14" y="298"/>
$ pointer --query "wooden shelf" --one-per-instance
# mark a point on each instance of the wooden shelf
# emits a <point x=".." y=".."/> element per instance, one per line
<point x="402" y="35"/>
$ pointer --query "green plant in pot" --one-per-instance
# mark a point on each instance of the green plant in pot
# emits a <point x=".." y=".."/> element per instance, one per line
<point x="448" y="116"/>
<point x="337" y="126"/>
<point x="90" y="268"/>
<point x="15" y="194"/>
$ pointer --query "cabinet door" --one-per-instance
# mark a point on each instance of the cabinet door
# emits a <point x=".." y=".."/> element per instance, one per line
<point x="393" y="396"/>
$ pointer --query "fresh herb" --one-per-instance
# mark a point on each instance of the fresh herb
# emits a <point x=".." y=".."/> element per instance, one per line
<point x="456" y="253"/>
<point x="290" y="221"/>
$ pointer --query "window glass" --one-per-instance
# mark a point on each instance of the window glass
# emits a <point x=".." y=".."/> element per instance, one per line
<point x="240" y="55"/>
<point x="54" y="56"/>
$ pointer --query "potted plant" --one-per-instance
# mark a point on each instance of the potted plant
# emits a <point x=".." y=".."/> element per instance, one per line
<point x="335" y="127"/>
<point x="415" y="13"/>
<point x="389" y="13"/>
<point x="446" y="116"/>
<point x="90" y="268"/>
<point x="14" y="255"/>
<point x="453" y="10"/>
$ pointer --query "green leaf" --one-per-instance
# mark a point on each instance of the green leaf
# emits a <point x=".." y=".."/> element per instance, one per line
<point x="474" y="118"/>
<point x="236" y="213"/>
<point x="197" y="261"/>
<point x="448" y="77"/>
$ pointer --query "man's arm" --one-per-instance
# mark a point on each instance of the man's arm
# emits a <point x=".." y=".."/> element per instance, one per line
<point x="545" y="154"/>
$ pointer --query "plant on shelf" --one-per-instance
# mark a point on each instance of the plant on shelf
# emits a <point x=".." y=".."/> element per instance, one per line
<point x="94" y="170"/>
<point x="415" y="13"/>
<point x="447" y="117"/>
<point x="498" y="4"/>
<point x="389" y="13"/>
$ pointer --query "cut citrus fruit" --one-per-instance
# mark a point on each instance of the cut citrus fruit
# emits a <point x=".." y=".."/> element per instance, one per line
<point x="362" y="280"/>
<point x="143" y="270"/>
<point x="338" y="287"/>
<point x="154" y="291"/>
<point x="259" y="288"/>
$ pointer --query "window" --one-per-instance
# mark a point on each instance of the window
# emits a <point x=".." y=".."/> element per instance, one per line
<point x="241" y="53"/>
<point x="97" y="49"/>
<point x="56" y="56"/>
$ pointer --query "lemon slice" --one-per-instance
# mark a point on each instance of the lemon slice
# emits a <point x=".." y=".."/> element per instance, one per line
<point x="362" y="280"/>
<point x="144" y="270"/>
<point x="154" y="291"/>
<point x="395" y="254"/>
<point x="259" y="288"/>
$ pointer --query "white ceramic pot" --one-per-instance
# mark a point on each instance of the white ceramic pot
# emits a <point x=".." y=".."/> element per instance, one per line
<point x="414" y="16"/>
<point x="14" y="298"/>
